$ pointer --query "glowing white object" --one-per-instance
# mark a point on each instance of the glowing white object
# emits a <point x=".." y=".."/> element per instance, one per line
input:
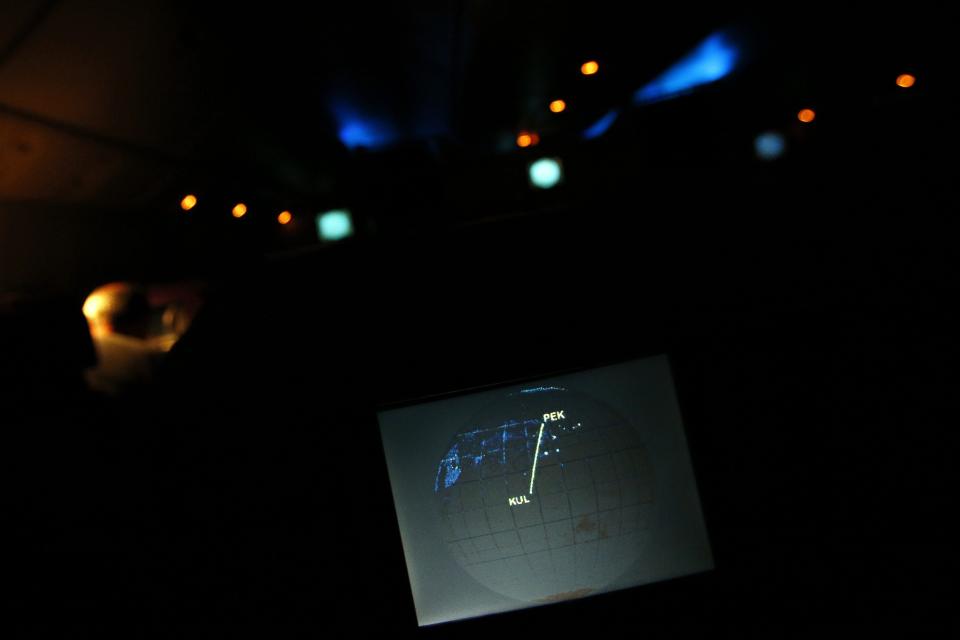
<point x="334" y="225"/>
<point x="545" y="173"/>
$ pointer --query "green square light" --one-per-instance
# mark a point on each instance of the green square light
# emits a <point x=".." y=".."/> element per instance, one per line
<point x="336" y="224"/>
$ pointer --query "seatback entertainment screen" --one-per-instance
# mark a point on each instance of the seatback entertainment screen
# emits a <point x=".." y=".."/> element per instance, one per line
<point x="541" y="492"/>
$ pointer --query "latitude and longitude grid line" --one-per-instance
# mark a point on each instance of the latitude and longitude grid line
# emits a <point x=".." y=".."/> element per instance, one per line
<point x="544" y="521"/>
<point x="523" y="423"/>
<point x="596" y="497"/>
<point x="585" y="460"/>
<point x="551" y="550"/>
<point x="516" y="528"/>
<point x="486" y="515"/>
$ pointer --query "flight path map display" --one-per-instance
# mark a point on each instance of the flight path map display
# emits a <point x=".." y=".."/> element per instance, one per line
<point x="541" y="492"/>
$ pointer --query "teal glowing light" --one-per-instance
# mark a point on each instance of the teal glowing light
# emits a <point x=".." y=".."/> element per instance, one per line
<point x="334" y="225"/>
<point x="711" y="60"/>
<point x="545" y="173"/>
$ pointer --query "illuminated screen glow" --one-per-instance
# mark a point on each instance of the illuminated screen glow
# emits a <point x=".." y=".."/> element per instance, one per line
<point x="542" y="492"/>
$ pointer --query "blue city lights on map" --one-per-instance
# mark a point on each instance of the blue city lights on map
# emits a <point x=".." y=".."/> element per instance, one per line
<point x="474" y="447"/>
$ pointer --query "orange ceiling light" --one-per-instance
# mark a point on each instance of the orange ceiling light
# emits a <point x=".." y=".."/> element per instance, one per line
<point x="558" y="106"/>
<point x="239" y="210"/>
<point x="527" y="139"/>
<point x="285" y="217"/>
<point x="906" y="80"/>
<point x="806" y="115"/>
<point x="189" y="202"/>
<point x="590" y="67"/>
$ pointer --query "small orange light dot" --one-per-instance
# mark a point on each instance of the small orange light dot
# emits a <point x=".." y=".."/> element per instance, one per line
<point x="188" y="202"/>
<point x="524" y="140"/>
<point x="906" y="80"/>
<point x="239" y="210"/>
<point x="557" y="106"/>
<point x="284" y="217"/>
<point x="806" y="115"/>
<point x="589" y="68"/>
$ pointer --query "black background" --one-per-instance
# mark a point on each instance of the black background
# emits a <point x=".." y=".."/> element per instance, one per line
<point x="814" y="373"/>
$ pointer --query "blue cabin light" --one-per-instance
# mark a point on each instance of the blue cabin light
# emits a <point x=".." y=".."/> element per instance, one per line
<point x="710" y="61"/>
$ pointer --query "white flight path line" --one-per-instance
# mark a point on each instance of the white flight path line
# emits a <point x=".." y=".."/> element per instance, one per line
<point x="533" y="474"/>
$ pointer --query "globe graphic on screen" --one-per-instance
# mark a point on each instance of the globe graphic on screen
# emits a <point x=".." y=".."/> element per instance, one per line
<point x="546" y="494"/>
